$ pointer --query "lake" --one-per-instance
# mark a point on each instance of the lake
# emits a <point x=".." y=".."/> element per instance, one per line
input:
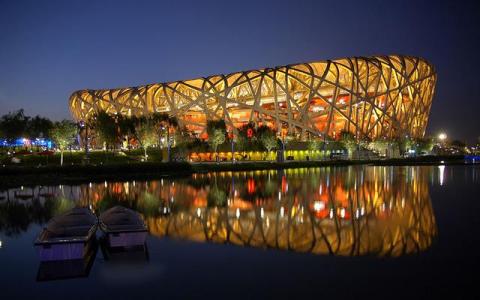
<point x="357" y="231"/>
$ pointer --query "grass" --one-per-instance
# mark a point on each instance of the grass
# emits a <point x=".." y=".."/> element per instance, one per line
<point x="77" y="158"/>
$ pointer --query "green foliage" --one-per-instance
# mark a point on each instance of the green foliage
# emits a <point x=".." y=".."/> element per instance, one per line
<point x="246" y="139"/>
<point x="347" y="140"/>
<point x="14" y="124"/>
<point x="424" y="145"/>
<point x="39" y="127"/>
<point x="314" y="144"/>
<point x="267" y="137"/>
<point x="216" y="197"/>
<point x="145" y="133"/>
<point x="163" y="123"/>
<point x="217" y="131"/>
<point x="106" y="128"/>
<point x="404" y="143"/>
<point x="63" y="133"/>
<point x="126" y="126"/>
<point x="380" y="146"/>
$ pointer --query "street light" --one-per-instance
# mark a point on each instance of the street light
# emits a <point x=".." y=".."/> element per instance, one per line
<point x="442" y="136"/>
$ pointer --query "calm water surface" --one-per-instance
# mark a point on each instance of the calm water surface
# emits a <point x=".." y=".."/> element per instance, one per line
<point x="397" y="232"/>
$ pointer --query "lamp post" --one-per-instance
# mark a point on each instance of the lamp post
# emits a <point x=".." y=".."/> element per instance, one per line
<point x="168" y="143"/>
<point x="84" y="125"/>
<point x="233" y="148"/>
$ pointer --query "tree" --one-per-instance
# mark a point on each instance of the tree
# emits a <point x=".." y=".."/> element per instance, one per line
<point x="267" y="137"/>
<point x="348" y="141"/>
<point x="38" y="127"/>
<point x="14" y="125"/>
<point x="145" y="133"/>
<point x="183" y="141"/>
<point x="424" y="145"/>
<point x="380" y="146"/>
<point x="247" y="137"/>
<point x="63" y="134"/>
<point x="126" y="128"/>
<point x="314" y="145"/>
<point x="163" y="123"/>
<point x="106" y="128"/>
<point x="216" y="131"/>
<point x="404" y="143"/>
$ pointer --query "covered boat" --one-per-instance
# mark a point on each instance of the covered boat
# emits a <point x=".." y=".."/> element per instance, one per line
<point x="67" y="236"/>
<point x="67" y="269"/>
<point x="123" y="227"/>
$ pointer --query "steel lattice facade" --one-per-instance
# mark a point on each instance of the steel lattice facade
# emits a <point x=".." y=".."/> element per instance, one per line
<point x="381" y="96"/>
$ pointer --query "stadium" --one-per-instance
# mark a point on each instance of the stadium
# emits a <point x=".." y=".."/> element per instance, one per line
<point x="374" y="97"/>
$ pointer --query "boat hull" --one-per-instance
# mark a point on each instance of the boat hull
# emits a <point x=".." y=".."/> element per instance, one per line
<point x="67" y="236"/>
<point x="126" y="239"/>
<point x="69" y="268"/>
<point x="62" y="251"/>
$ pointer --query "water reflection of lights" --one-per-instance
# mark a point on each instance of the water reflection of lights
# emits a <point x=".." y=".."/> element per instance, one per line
<point x="1" y="244"/>
<point x="342" y="213"/>
<point x="318" y="205"/>
<point x="441" y="174"/>
<point x="324" y="210"/>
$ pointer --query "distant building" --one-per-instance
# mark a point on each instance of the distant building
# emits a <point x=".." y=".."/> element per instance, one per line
<point x="380" y="96"/>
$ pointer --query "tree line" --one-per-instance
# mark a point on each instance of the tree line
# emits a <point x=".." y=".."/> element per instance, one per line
<point x="113" y="131"/>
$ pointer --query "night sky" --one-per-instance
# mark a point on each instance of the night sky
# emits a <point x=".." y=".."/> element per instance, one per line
<point x="48" y="49"/>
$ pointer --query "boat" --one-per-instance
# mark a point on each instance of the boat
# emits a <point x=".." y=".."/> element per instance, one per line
<point x="67" y="236"/>
<point x="68" y="269"/>
<point x="123" y="227"/>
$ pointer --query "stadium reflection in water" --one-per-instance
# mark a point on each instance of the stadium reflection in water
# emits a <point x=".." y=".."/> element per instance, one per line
<point x="381" y="211"/>
<point x="348" y="211"/>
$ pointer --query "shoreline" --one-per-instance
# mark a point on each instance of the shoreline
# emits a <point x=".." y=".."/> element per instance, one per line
<point x="14" y="176"/>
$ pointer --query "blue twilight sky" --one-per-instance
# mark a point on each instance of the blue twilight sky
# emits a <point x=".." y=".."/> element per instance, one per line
<point x="48" y="49"/>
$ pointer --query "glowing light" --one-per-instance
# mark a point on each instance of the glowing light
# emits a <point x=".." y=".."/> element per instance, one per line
<point x="199" y="212"/>
<point x="442" y="136"/>
<point x="282" y="211"/>
<point x="318" y="205"/>
<point x="237" y="213"/>
<point x="441" y="174"/>
<point x="262" y="213"/>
